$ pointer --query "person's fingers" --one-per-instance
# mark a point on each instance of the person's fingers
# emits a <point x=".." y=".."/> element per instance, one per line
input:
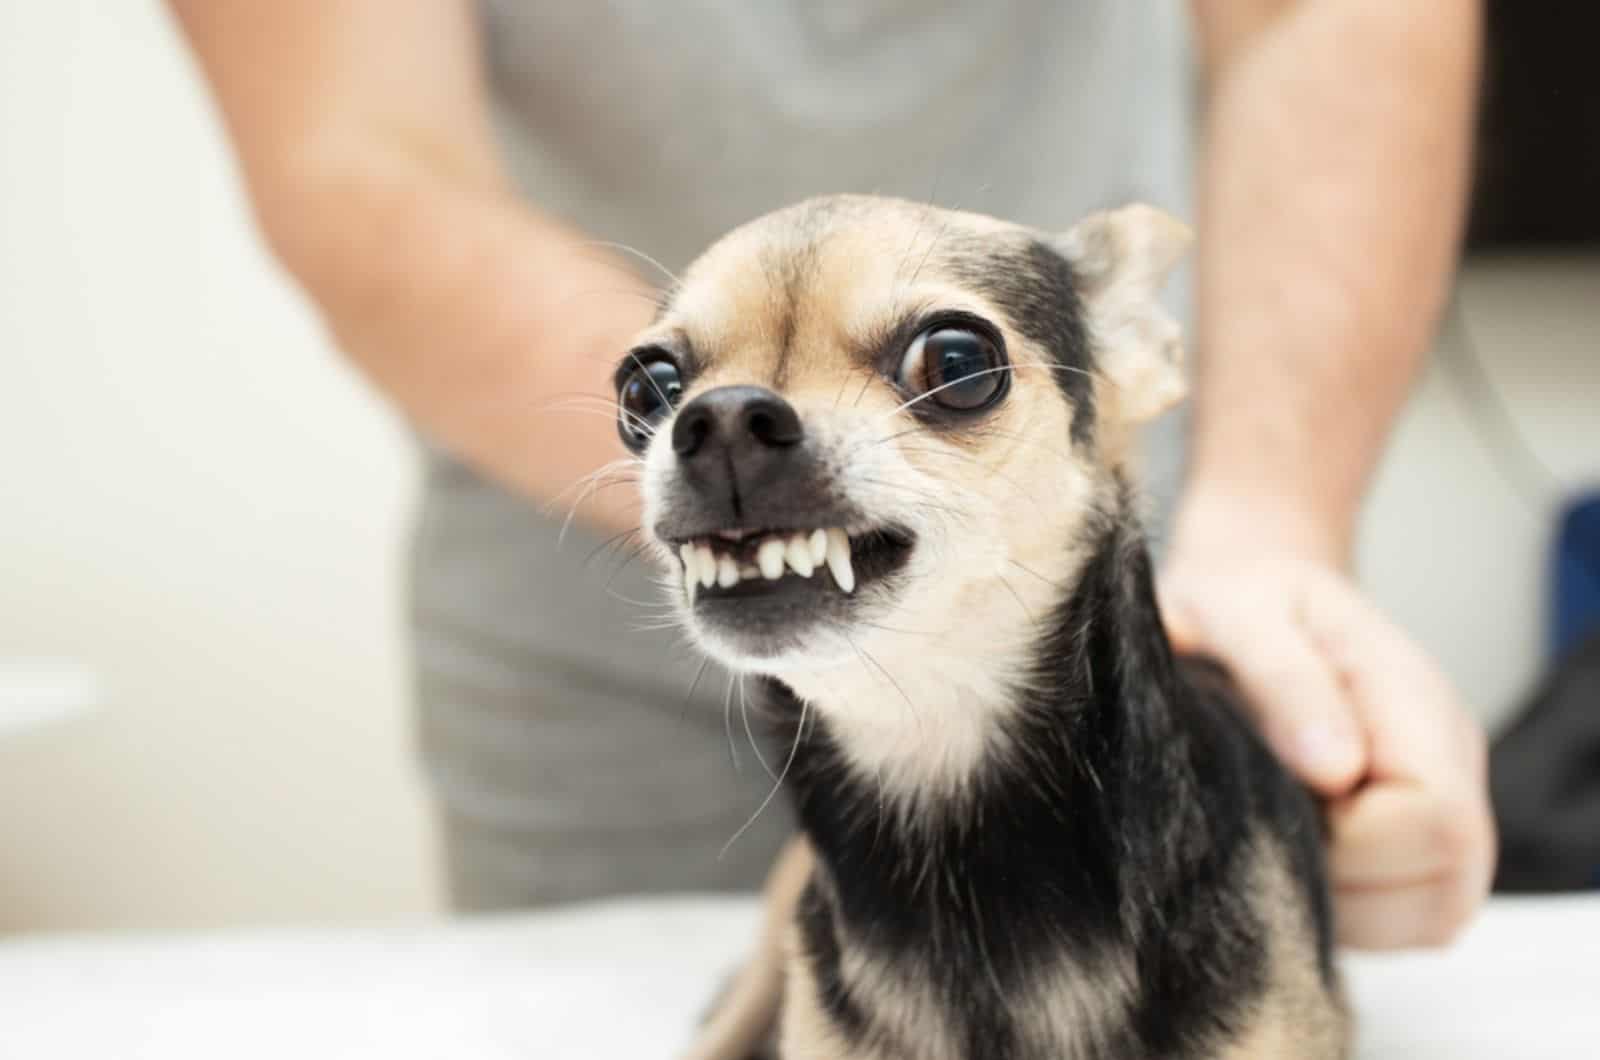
<point x="1396" y="834"/>
<point x="1293" y="693"/>
<point x="1400" y="698"/>
<point x="1178" y="617"/>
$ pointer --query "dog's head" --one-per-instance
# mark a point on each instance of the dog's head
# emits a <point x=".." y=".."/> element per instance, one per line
<point x="858" y="415"/>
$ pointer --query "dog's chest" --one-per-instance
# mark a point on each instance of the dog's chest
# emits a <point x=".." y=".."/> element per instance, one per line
<point x="948" y="994"/>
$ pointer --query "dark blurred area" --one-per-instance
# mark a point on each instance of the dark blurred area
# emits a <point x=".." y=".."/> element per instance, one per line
<point x="1538" y="189"/>
<point x="1538" y="179"/>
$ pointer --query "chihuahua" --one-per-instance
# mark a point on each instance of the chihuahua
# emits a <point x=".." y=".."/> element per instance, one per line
<point x="884" y="456"/>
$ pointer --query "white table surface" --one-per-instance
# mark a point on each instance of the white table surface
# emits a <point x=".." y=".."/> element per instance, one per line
<point x="626" y="981"/>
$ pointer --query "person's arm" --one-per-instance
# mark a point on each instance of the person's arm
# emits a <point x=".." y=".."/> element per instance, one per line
<point x="1331" y="193"/>
<point x="363" y="130"/>
<point x="1331" y="197"/>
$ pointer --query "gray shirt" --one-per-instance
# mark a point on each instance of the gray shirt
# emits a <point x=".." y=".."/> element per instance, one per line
<point x="571" y="755"/>
<point x="662" y="125"/>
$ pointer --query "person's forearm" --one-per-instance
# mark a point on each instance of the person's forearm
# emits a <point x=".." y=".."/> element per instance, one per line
<point x="1331" y="195"/>
<point x="493" y="328"/>
<point x="364" y="135"/>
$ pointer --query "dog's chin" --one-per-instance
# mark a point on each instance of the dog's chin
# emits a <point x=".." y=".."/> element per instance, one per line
<point x="767" y="625"/>
<point x="771" y="635"/>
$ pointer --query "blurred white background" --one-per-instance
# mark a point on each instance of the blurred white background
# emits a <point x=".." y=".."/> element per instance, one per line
<point x="203" y="712"/>
<point x="202" y="514"/>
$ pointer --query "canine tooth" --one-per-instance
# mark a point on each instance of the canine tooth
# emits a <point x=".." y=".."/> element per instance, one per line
<point x="819" y="546"/>
<point x="798" y="554"/>
<point x="770" y="557"/>
<point x="839" y="560"/>
<point x="691" y="573"/>
<point x="707" y="566"/>
<point x="727" y="572"/>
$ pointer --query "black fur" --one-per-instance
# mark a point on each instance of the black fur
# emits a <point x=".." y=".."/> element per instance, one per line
<point x="1038" y="292"/>
<point x="1123" y="824"/>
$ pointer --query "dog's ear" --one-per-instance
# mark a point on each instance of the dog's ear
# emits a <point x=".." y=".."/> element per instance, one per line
<point x="1122" y="258"/>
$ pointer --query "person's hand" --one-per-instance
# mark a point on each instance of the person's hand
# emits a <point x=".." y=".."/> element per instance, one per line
<point x="1357" y="710"/>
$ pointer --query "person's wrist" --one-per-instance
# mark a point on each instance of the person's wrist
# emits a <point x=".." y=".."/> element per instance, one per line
<point x="1219" y="517"/>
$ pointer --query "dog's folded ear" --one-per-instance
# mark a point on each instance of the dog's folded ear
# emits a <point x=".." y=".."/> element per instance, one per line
<point x="1123" y="258"/>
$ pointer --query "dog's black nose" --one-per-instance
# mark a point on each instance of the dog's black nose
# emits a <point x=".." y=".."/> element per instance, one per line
<point x="733" y="443"/>
<point x="745" y="422"/>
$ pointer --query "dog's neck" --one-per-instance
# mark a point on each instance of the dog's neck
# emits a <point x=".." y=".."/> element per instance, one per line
<point x="1043" y="786"/>
<point x="922" y="711"/>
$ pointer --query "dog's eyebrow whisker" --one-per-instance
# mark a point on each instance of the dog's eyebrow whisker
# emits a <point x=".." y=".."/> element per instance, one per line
<point x="931" y="247"/>
<point x="928" y="210"/>
<point x="632" y="292"/>
<point x="636" y="252"/>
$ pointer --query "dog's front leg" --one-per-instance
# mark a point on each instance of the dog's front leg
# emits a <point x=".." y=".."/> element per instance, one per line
<point x="742" y="1025"/>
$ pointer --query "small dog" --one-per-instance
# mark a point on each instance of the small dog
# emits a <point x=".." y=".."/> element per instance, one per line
<point x="884" y="454"/>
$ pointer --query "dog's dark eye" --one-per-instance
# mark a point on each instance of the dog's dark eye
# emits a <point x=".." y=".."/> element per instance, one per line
<point x="957" y="367"/>
<point x="645" y="397"/>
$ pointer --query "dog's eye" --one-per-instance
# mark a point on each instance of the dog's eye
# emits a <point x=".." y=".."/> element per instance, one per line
<point x="646" y="396"/>
<point x="955" y="366"/>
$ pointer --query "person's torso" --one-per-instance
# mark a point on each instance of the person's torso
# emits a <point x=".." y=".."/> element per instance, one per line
<point x="663" y="125"/>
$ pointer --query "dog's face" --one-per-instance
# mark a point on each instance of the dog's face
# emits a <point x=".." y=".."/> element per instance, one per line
<point x="861" y="415"/>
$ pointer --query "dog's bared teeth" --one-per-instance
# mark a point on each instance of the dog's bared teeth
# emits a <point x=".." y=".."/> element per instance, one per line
<point x="798" y="553"/>
<point x="818" y="543"/>
<point x="707" y="566"/>
<point x="839" y="559"/>
<point x="691" y="572"/>
<point x="727" y="572"/>
<point x="770" y="558"/>
<point x="749" y="570"/>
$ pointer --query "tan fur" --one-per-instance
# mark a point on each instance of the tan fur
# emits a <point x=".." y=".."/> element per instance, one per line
<point x="790" y="302"/>
<point x="748" y="1012"/>
<point x="1297" y="1017"/>
<point x="903" y="1008"/>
